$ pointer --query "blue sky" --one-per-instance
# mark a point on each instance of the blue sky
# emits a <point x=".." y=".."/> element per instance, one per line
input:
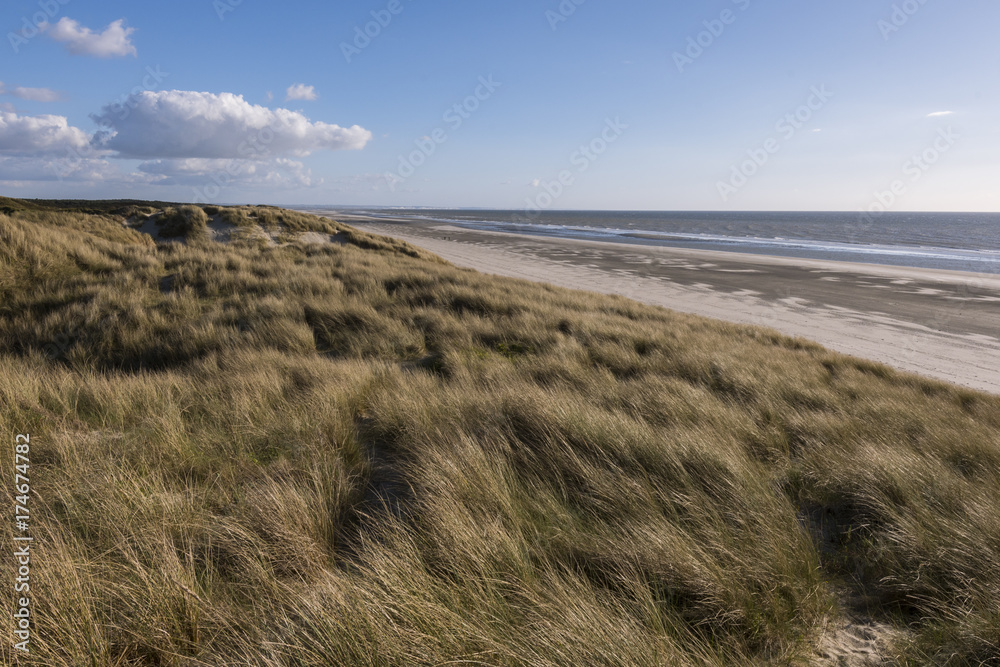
<point x="608" y="105"/>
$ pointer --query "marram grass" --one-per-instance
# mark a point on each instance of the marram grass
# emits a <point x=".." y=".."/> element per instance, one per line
<point x="357" y="454"/>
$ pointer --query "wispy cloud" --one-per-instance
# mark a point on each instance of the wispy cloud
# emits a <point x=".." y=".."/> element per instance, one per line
<point x="82" y="41"/>
<point x="278" y="172"/>
<point x="300" y="91"/>
<point x="32" y="94"/>
<point x="60" y="168"/>
<point x="940" y="113"/>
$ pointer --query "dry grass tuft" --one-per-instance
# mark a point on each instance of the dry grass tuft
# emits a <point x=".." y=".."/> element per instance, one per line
<point x="183" y="221"/>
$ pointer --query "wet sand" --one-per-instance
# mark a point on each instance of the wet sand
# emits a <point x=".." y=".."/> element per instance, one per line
<point x="941" y="324"/>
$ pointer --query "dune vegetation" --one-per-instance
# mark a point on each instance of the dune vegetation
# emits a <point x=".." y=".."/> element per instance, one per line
<point x="354" y="453"/>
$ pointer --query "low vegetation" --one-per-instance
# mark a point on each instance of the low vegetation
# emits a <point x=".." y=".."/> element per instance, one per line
<point x="183" y="222"/>
<point x="357" y="454"/>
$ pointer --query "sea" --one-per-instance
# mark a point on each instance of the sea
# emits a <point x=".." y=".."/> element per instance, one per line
<point x="954" y="241"/>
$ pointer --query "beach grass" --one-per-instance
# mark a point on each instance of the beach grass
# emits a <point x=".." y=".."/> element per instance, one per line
<point x="354" y="453"/>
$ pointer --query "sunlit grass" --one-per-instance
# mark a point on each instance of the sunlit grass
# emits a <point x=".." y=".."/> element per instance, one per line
<point x="358" y="454"/>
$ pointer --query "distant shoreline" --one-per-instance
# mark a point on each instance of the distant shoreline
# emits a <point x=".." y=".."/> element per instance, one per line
<point x="950" y="241"/>
<point x="937" y="323"/>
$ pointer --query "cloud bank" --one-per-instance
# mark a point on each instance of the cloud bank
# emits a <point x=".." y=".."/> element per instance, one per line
<point x="187" y="124"/>
<point x="182" y="138"/>
<point x="277" y="173"/>
<point x="82" y="41"/>
<point x="32" y="136"/>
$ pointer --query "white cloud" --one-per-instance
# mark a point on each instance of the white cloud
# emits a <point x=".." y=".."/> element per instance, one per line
<point x="65" y="169"/>
<point x="33" y="94"/>
<point x="187" y="124"/>
<point x="300" y="91"/>
<point x="33" y="136"/>
<point x="36" y="94"/>
<point x="82" y="41"/>
<point x="940" y="113"/>
<point x="279" y="172"/>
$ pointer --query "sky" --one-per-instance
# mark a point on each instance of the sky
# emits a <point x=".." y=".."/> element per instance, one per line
<point x="560" y="104"/>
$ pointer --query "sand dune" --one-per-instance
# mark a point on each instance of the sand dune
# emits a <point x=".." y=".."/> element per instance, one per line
<point x="941" y="324"/>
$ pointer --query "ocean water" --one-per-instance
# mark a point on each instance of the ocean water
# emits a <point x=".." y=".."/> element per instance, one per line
<point x="956" y="241"/>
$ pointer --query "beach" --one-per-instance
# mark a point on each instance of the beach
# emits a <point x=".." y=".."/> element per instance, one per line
<point x="937" y="323"/>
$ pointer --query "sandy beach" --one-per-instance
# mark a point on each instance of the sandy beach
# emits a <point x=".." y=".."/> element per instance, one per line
<point x="941" y="324"/>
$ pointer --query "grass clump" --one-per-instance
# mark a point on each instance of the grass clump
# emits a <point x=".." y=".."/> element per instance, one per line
<point x="183" y="221"/>
<point x="238" y="216"/>
<point x="358" y="454"/>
